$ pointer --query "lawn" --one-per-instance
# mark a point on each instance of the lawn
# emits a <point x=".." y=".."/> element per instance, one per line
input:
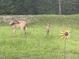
<point x="35" y="45"/>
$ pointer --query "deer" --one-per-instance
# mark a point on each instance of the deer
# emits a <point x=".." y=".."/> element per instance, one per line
<point x="21" y="24"/>
<point x="48" y="28"/>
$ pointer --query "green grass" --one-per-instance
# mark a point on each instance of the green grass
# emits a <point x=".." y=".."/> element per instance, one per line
<point x="34" y="45"/>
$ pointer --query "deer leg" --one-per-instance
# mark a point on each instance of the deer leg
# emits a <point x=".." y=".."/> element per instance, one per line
<point x="14" y="30"/>
<point x="23" y="29"/>
<point x="47" y="32"/>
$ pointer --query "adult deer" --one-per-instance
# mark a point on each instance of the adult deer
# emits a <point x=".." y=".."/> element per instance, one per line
<point x="18" y="24"/>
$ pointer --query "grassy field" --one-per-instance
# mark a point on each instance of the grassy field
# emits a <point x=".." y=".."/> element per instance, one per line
<point x="34" y="45"/>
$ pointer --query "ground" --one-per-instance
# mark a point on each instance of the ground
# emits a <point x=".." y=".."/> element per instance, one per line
<point x="35" y="45"/>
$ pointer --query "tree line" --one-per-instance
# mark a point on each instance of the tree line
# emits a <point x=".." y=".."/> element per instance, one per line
<point x="26" y="7"/>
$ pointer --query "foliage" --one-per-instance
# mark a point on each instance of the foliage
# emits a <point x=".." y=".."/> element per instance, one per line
<point x="24" y="7"/>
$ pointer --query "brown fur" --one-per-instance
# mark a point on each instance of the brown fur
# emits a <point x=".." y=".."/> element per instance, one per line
<point x="18" y="24"/>
<point x="48" y="27"/>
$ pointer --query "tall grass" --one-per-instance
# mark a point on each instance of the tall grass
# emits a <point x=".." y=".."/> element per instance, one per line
<point x="35" y="45"/>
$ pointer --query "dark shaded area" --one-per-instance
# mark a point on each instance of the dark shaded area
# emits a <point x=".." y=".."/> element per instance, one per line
<point x="26" y="7"/>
